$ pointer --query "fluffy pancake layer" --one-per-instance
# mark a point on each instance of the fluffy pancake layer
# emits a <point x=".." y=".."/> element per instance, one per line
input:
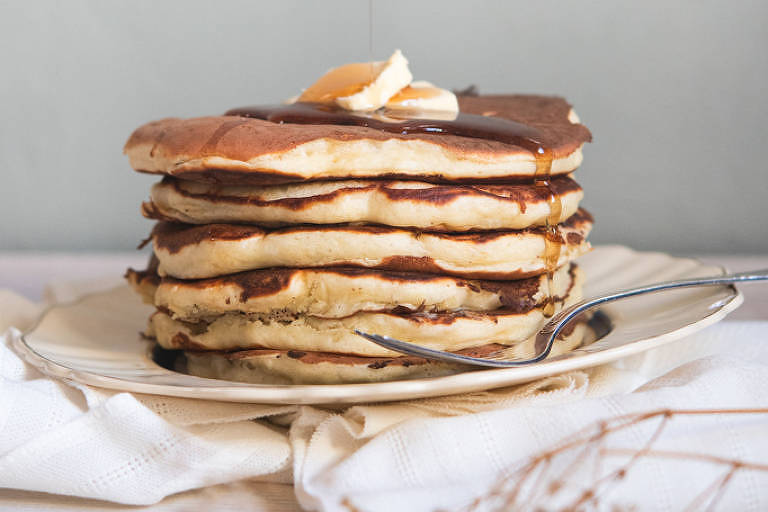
<point x="338" y="293"/>
<point x="392" y="203"/>
<point x="452" y="331"/>
<point x="196" y="252"/>
<point x="266" y="366"/>
<point x="235" y="150"/>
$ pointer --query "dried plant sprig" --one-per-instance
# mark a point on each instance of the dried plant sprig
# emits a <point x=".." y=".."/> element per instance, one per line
<point x="511" y="493"/>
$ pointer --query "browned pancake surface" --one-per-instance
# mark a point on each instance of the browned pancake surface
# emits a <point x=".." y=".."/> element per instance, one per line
<point x="313" y="357"/>
<point x="516" y="296"/>
<point x="242" y="139"/>
<point x="521" y="193"/>
<point x="173" y="237"/>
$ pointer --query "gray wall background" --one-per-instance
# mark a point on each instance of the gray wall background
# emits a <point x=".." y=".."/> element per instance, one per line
<point x="674" y="93"/>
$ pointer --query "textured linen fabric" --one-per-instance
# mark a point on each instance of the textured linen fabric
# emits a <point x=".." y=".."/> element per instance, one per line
<point x="70" y="439"/>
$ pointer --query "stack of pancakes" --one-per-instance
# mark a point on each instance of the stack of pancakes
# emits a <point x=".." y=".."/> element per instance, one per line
<point x="275" y="241"/>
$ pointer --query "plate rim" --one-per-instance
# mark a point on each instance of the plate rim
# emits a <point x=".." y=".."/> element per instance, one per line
<point x="350" y="394"/>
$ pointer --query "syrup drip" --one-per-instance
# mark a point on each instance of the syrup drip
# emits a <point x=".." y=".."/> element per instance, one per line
<point x="552" y="239"/>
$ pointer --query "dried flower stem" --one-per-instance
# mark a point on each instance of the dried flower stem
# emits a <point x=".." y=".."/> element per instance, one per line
<point x="590" y="440"/>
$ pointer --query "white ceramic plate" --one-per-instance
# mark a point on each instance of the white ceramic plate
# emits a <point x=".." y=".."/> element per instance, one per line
<point x="96" y="341"/>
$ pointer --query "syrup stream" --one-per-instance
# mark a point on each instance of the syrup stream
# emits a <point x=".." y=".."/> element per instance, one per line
<point x="552" y="239"/>
<point x="370" y="39"/>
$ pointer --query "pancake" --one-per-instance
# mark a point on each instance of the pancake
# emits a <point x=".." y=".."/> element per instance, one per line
<point x="337" y="293"/>
<point x="391" y="203"/>
<point x="239" y="150"/>
<point x="145" y="282"/>
<point x="196" y="252"/>
<point x="296" y="367"/>
<point x="454" y="330"/>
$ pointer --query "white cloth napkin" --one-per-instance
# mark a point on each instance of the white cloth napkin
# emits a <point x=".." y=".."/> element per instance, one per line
<point x="65" y="438"/>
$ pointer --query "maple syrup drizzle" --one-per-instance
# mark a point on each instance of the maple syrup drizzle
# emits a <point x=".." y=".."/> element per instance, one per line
<point x="464" y="125"/>
<point x="404" y="122"/>
<point x="552" y="239"/>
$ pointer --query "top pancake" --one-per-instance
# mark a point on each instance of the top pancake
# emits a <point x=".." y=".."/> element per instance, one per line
<point x="237" y="150"/>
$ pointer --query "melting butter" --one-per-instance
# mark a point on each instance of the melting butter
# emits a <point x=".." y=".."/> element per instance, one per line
<point x="361" y="86"/>
<point x="370" y="86"/>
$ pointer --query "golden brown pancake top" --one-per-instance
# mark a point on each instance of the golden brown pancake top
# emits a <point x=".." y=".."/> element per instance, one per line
<point x="241" y="139"/>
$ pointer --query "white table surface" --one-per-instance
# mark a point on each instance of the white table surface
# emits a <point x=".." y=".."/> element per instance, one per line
<point x="27" y="274"/>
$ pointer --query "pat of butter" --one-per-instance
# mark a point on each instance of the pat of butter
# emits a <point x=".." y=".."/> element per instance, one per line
<point x="362" y="86"/>
<point x="423" y="95"/>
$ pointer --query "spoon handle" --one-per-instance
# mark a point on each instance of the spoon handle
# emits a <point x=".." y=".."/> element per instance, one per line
<point x="556" y="323"/>
<point x="750" y="275"/>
